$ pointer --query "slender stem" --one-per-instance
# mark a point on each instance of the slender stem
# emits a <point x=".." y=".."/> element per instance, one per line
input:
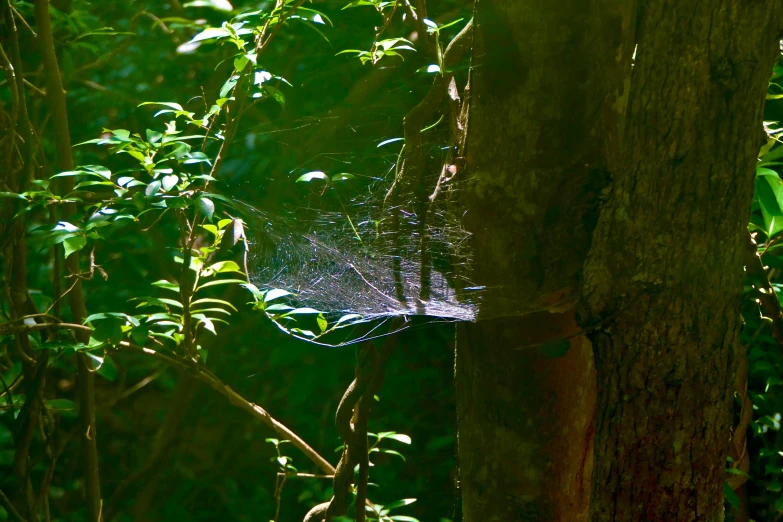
<point x="85" y="378"/>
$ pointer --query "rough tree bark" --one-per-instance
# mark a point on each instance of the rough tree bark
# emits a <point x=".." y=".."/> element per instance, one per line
<point x="614" y="199"/>
<point x="665" y="269"/>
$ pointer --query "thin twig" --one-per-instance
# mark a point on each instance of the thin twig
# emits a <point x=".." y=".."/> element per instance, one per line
<point x="24" y="22"/>
<point x="10" y="508"/>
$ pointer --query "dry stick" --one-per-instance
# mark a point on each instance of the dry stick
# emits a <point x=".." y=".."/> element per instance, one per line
<point x="85" y="378"/>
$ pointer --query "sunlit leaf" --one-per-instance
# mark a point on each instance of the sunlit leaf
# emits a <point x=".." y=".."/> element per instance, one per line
<point x="386" y="142"/>
<point x="166" y="285"/>
<point x="275" y="293"/>
<point x="218" y="5"/>
<point x="74" y="244"/>
<point x="206" y="207"/>
<point x="310" y="176"/>
<point x="212" y="300"/>
<point x="224" y="266"/>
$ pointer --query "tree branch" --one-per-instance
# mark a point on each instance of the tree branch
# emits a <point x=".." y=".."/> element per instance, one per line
<point x="214" y="382"/>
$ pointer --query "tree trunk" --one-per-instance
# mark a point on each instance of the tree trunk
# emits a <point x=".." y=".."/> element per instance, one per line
<point x="629" y="195"/>
<point x="665" y="269"/>
<point x="548" y="91"/>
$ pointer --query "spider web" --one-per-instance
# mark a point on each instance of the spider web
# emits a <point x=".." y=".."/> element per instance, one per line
<point x="341" y="247"/>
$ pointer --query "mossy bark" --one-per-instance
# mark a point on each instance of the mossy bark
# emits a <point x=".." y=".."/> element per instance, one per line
<point x="665" y="268"/>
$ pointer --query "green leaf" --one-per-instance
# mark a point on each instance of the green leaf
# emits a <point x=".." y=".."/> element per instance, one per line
<point x="168" y="182"/>
<point x="359" y="3"/>
<point x="109" y="330"/>
<point x="140" y="335"/>
<point x="110" y="315"/>
<point x="74" y="244"/>
<point x="103" y="31"/>
<point x="216" y="310"/>
<point x="253" y="289"/>
<point x="279" y="308"/>
<point x="240" y="62"/>
<point x="343" y="176"/>
<point x="444" y="26"/>
<point x="770" y="192"/>
<point x="306" y="333"/>
<point x="322" y="322"/>
<point x="389" y="452"/>
<point x="212" y="300"/>
<point x="228" y="86"/>
<point x="106" y="367"/>
<point x="209" y="34"/>
<point x="275" y="293"/>
<point x="731" y="496"/>
<point x="315" y="16"/>
<point x="208" y="324"/>
<point x="175" y="106"/>
<point x="399" y="437"/>
<point x="302" y="311"/>
<point x="348" y="317"/>
<point x="153" y="136"/>
<point x="221" y="282"/>
<point x="310" y="176"/>
<point x="218" y="5"/>
<point x="99" y="170"/>
<point x="386" y="142"/>
<point x="12" y="195"/>
<point x="399" y="503"/>
<point x="224" y="266"/>
<point x="60" y="404"/>
<point x="736" y="471"/>
<point x="166" y="285"/>
<point x="206" y="207"/>
<point x="152" y="189"/>
<point x="162" y="316"/>
<point x="778" y="503"/>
